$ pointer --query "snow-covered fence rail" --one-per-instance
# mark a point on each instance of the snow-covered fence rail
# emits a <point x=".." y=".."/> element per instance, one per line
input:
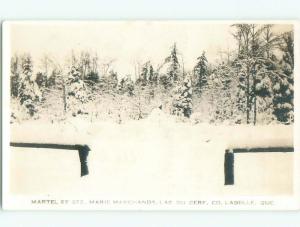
<point x="229" y="158"/>
<point x="83" y="151"/>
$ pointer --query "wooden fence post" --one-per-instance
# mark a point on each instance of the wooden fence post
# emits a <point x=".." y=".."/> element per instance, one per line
<point x="229" y="167"/>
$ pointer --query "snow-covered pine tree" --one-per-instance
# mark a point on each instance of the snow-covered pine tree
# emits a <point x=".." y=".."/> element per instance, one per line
<point x="152" y="76"/>
<point x="173" y="70"/>
<point x="143" y="78"/>
<point x="201" y="73"/>
<point x="29" y="93"/>
<point x="46" y="66"/>
<point x="76" y="91"/>
<point x="147" y="82"/>
<point x="15" y="76"/>
<point x="182" y="103"/>
<point x="283" y="88"/>
<point x="147" y="75"/>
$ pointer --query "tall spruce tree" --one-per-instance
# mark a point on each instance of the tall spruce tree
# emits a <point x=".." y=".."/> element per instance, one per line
<point x="173" y="73"/>
<point x="29" y="93"/>
<point x="200" y="73"/>
<point x="283" y="101"/>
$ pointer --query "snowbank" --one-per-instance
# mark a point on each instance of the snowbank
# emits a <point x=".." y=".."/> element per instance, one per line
<point x="79" y="131"/>
<point x="156" y="157"/>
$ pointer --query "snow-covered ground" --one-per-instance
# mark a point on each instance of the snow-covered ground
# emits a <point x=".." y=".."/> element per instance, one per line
<point x="153" y="158"/>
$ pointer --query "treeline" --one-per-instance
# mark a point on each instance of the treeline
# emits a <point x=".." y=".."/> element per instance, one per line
<point x="253" y="85"/>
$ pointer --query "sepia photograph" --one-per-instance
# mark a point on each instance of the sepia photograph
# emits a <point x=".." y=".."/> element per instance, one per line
<point x="150" y="115"/>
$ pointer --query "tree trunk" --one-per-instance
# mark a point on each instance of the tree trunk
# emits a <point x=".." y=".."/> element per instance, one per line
<point x="64" y="98"/>
<point x="248" y="98"/>
<point x="255" y="111"/>
<point x="254" y="98"/>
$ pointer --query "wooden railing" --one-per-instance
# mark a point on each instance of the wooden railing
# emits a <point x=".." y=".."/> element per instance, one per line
<point x="83" y="151"/>
<point x="230" y="153"/>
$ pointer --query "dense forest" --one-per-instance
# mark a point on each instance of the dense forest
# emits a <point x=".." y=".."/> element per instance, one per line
<point x="252" y="85"/>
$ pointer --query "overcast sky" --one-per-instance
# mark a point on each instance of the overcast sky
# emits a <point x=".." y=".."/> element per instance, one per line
<point x="127" y="42"/>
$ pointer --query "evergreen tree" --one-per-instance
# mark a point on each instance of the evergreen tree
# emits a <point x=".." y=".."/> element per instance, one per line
<point x="29" y="93"/>
<point x="15" y="76"/>
<point x="147" y="75"/>
<point x="200" y="73"/>
<point x="283" y="88"/>
<point x="76" y="91"/>
<point x="182" y="103"/>
<point x="173" y="73"/>
<point x="152" y="76"/>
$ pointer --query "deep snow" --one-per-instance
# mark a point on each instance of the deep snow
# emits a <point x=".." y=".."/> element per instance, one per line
<point x="157" y="157"/>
